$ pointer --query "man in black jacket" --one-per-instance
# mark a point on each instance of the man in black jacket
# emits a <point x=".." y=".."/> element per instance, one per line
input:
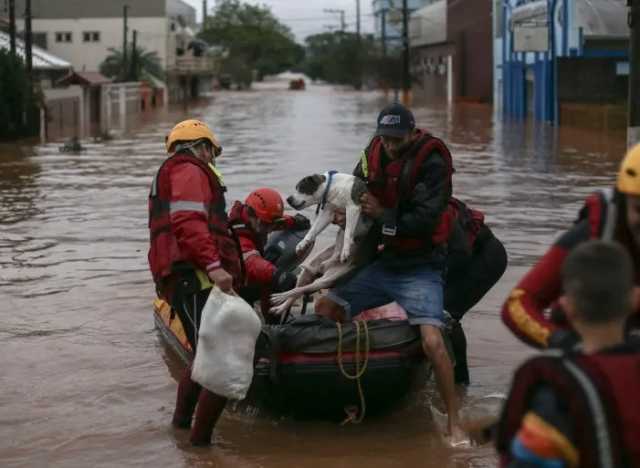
<point x="408" y="174"/>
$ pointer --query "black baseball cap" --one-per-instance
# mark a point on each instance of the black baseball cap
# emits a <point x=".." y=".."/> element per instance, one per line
<point x="395" y="120"/>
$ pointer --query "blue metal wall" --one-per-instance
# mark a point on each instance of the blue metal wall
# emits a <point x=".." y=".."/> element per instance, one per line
<point x="514" y="72"/>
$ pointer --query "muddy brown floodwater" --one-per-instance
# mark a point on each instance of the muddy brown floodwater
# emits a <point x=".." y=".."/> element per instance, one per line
<point x="85" y="379"/>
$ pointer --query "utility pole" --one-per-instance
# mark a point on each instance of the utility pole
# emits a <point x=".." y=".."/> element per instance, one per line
<point x="360" y="58"/>
<point x="406" y="78"/>
<point x="343" y="24"/>
<point x="125" y="30"/>
<point x="28" y="61"/>
<point x="134" y="57"/>
<point x="383" y="32"/>
<point x="205" y="8"/>
<point x="358" y="18"/>
<point x="12" y="27"/>
<point x="633" y="132"/>
<point x="28" y="40"/>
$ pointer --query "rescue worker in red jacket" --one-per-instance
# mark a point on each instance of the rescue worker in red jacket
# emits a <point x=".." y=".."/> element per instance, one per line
<point x="408" y="174"/>
<point x="531" y="310"/>
<point x="191" y="249"/>
<point x="579" y="408"/>
<point x="262" y="213"/>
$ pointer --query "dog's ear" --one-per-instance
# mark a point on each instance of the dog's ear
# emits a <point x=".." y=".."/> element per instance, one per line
<point x="309" y="185"/>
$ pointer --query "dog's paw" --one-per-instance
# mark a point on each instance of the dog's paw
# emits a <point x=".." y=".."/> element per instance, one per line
<point x="344" y="255"/>
<point x="303" y="247"/>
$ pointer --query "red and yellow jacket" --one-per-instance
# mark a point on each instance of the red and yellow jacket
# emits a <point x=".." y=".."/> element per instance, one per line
<point x="187" y="221"/>
<point x="531" y="310"/>
<point x="572" y="409"/>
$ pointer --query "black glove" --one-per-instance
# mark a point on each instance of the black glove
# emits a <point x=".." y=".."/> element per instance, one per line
<point x="563" y="339"/>
<point x="283" y="280"/>
<point x="301" y="223"/>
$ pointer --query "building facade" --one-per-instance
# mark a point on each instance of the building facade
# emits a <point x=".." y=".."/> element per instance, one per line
<point x="387" y="16"/>
<point x="84" y="32"/>
<point x="545" y="72"/>
<point x="451" y="50"/>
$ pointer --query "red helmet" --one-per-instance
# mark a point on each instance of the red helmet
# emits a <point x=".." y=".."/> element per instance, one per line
<point x="267" y="204"/>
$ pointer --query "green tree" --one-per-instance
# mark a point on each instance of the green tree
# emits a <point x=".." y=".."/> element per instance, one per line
<point x="140" y="64"/>
<point x="339" y="57"/>
<point x="19" y="115"/>
<point x="253" y="37"/>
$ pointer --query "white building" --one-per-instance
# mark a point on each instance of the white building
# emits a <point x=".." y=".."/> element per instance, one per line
<point x="83" y="31"/>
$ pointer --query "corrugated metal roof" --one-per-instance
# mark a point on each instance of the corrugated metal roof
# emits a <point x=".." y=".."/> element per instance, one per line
<point x="85" y="78"/>
<point x="597" y="18"/>
<point x="42" y="60"/>
<point x="603" y="18"/>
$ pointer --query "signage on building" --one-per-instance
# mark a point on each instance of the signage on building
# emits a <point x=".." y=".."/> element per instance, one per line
<point x="530" y="39"/>
<point x="531" y="11"/>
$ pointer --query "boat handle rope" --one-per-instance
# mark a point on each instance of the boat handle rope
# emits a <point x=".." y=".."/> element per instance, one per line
<point x="352" y="414"/>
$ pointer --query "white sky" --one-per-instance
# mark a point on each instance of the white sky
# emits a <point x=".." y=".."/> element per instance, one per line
<point x="306" y="17"/>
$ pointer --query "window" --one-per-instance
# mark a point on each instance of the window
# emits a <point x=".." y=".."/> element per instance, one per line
<point x="91" y="36"/>
<point x="40" y="39"/>
<point x="63" y="37"/>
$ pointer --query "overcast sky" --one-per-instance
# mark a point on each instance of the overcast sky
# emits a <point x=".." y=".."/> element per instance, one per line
<point x="306" y="17"/>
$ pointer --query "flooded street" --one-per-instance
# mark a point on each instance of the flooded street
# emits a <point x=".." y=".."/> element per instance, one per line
<point x="86" y="380"/>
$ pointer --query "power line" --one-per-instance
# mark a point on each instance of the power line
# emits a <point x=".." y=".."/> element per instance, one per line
<point x="339" y="11"/>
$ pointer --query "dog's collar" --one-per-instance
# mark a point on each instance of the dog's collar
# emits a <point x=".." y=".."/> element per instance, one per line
<point x="323" y="200"/>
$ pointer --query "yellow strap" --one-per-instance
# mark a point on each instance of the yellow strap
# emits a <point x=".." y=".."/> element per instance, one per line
<point x="217" y="173"/>
<point x="542" y="428"/>
<point x="523" y="320"/>
<point x="204" y="280"/>
<point x="364" y="164"/>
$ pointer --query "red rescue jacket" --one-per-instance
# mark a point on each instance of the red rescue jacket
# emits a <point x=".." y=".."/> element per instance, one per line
<point x="396" y="182"/>
<point x="258" y="270"/>
<point x="187" y="221"/>
<point x="524" y="311"/>
<point x="599" y="391"/>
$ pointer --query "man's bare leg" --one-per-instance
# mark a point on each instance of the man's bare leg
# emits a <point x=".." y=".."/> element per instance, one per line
<point x="435" y="349"/>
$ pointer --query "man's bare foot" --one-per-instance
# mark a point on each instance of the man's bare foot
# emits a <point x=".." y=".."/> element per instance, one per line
<point x="458" y="438"/>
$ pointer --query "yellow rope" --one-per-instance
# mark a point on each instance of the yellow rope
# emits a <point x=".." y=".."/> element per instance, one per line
<point x="359" y="371"/>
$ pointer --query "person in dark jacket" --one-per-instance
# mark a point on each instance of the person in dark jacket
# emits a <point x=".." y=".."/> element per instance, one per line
<point x="408" y="174"/>
<point x="476" y="259"/>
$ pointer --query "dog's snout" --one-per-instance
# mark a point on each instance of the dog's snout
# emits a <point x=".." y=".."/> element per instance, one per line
<point x="294" y="203"/>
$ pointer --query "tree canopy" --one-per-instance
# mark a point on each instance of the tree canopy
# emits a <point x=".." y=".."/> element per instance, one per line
<point x="140" y="64"/>
<point x="339" y="57"/>
<point x="19" y="115"/>
<point x="253" y="38"/>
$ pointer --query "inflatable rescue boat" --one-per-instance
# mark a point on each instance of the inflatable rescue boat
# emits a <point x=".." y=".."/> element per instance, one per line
<point x="312" y="367"/>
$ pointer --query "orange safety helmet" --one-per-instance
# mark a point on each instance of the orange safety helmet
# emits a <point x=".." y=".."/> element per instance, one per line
<point x="267" y="205"/>
<point x="629" y="174"/>
<point x="191" y="130"/>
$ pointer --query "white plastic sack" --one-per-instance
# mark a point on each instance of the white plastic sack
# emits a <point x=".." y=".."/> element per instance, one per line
<point x="227" y="338"/>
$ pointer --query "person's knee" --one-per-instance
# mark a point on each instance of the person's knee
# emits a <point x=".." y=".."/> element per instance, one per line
<point x="432" y="342"/>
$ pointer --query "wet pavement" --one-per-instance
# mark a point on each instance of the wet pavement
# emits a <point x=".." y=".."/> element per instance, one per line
<point x="85" y="377"/>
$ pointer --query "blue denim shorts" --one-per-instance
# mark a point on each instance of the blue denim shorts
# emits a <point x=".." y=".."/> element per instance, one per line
<point x="418" y="290"/>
